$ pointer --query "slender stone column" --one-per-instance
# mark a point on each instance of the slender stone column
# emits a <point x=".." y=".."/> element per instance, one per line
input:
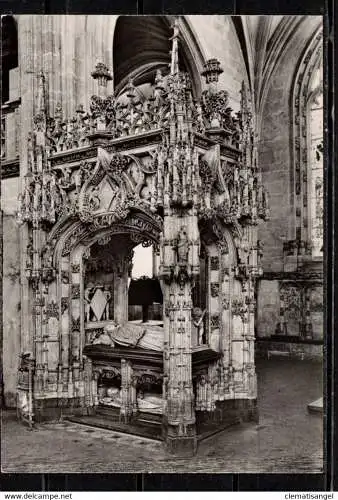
<point x="81" y="70"/>
<point x="75" y="319"/>
<point x="65" y="301"/>
<point x="88" y="382"/>
<point x="213" y="297"/>
<point x="26" y="46"/>
<point x="179" y="419"/>
<point x="127" y="392"/>
<point x="226" y="327"/>
<point x="121" y="289"/>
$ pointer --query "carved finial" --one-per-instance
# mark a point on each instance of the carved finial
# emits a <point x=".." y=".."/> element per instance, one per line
<point x="244" y="98"/>
<point x="159" y="84"/>
<point x="211" y="72"/>
<point x="41" y="101"/>
<point x="102" y="74"/>
<point x="58" y="111"/>
<point x="79" y="110"/>
<point x="131" y="91"/>
<point x="174" y="51"/>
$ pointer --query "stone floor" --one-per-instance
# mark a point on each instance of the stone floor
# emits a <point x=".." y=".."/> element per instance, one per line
<point x="287" y="439"/>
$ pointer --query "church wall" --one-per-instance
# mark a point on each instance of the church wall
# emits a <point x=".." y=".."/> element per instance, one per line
<point x="275" y="161"/>
<point x="11" y="289"/>
<point x="274" y="150"/>
<point x="81" y="40"/>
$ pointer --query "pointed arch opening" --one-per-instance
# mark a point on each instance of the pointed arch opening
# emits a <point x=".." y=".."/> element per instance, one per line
<point x="307" y="151"/>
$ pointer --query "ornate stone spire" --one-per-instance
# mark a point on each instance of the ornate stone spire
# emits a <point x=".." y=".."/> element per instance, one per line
<point x="245" y="113"/>
<point x="40" y="117"/>
<point x="102" y="104"/>
<point x="42" y="98"/>
<point x="174" y="51"/>
<point x="211" y="72"/>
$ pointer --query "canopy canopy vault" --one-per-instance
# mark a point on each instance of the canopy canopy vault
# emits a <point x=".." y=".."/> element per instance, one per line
<point x="167" y="170"/>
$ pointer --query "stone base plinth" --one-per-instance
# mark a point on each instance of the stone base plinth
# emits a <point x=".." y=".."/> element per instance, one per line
<point x="183" y="446"/>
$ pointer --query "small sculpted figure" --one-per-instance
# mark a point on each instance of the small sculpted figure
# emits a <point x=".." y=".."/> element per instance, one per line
<point x="87" y="304"/>
<point x="107" y="295"/>
<point x="103" y="338"/>
<point x="197" y="319"/>
<point x="182" y="247"/>
<point x="29" y="254"/>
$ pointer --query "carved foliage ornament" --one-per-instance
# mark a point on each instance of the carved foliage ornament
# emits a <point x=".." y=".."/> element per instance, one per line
<point x="214" y="289"/>
<point x="75" y="291"/>
<point x="214" y="321"/>
<point x="64" y="304"/>
<point x="52" y="310"/>
<point x="103" y="111"/>
<point x="225" y="301"/>
<point x="75" y="236"/>
<point x="214" y="263"/>
<point x="75" y="324"/>
<point x="238" y="307"/>
<point x="217" y="112"/>
<point x="174" y="94"/>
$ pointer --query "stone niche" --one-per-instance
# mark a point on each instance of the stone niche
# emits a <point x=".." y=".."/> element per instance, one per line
<point x="106" y="269"/>
<point x="109" y="388"/>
